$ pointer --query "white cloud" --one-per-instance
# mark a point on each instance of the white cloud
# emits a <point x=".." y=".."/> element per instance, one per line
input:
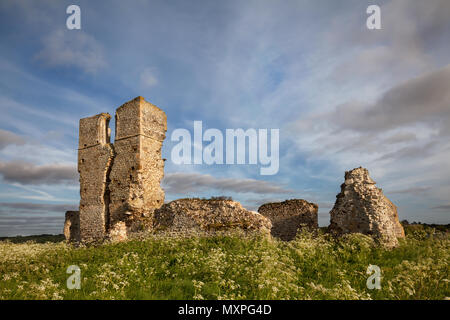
<point x="401" y="137"/>
<point x="148" y="78"/>
<point x="68" y="48"/>
<point x="29" y="206"/>
<point x="406" y="119"/>
<point x="184" y="183"/>
<point x="406" y="45"/>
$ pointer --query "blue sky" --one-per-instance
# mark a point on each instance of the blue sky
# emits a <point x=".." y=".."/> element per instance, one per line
<point x="341" y="95"/>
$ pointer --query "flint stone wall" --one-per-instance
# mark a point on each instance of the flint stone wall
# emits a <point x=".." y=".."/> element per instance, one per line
<point x="138" y="168"/>
<point x="95" y="155"/>
<point x="190" y="215"/>
<point x="120" y="183"/>
<point x="290" y="215"/>
<point x="72" y="226"/>
<point x="361" y="207"/>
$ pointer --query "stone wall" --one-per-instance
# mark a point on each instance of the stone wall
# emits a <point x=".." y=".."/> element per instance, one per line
<point x="200" y="215"/>
<point x="120" y="183"/>
<point x="95" y="155"/>
<point x="361" y="207"/>
<point x="138" y="168"/>
<point x="72" y="226"/>
<point x="290" y="215"/>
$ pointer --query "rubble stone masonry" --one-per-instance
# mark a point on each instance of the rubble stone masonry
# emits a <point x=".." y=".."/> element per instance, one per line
<point x="72" y="226"/>
<point x="289" y="216"/>
<point x="138" y="168"/>
<point x="361" y="207"/>
<point x="95" y="155"/>
<point x="120" y="183"/>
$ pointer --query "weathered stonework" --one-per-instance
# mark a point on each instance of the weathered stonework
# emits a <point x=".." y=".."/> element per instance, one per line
<point x="138" y="168"/>
<point x="72" y="226"/>
<point x="290" y="215"/>
<point x="191" y="215"/>
<point x="120" y="183"/>
<point x="361" y="207"/>
<point x="121" y="193"/>
<point x="95" y="155"/>
<point x="118" y="231"/>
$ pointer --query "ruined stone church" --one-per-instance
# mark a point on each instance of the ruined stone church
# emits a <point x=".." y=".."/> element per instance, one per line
<point x="121" y="194"/>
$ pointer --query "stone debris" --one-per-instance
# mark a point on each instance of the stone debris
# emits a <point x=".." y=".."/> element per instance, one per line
<point x="120" y="183"/>
<point x="361" y="207"/>
<point x="191" y="215"/>
<point x="289" y="216"/>
<point x="72" y="226"/>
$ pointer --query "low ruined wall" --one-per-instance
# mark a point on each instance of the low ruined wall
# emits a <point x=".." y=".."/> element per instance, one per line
<point x="191" y="215"/>
<point x="290" y="215"/>
<point x="72" y="226"/>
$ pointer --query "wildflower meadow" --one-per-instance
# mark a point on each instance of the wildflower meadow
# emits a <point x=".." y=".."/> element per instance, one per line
<point x="229" y="266"/>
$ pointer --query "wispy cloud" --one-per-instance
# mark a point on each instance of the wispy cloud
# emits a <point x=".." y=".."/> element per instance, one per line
<point x="63" y="48"/>
<point x="184" y="183"/>
<point x="6" y="207"/>
<point x="424" y="99"/>
<point x="23" y="218"/>
<point x="413" y="190"/>
<point x="148" y="78"/>
<point x="409" y="120"/>
<point x="404" y="46"/>
<point x="421" y="100"/>
<point x="28" y="173"/>
<point x="8" y="138"/>
<point x="443" y="207"/>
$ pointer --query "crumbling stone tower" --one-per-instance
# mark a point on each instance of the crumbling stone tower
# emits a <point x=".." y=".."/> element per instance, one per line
<point x="95" y="155"/>
<point x="138" y="168"/>
<point x="120" y="183"/>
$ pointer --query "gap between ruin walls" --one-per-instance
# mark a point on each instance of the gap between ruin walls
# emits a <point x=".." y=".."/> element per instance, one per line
<point x="107" y="189"/>
<point x="111" y="134"/>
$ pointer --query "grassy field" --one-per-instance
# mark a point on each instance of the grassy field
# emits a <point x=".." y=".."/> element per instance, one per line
<point x="228" y="267"/>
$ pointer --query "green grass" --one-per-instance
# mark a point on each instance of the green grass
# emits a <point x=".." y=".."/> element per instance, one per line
<point x="229" y="266"/>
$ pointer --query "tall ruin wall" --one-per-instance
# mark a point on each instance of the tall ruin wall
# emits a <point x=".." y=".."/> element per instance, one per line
<point x="95" y="155"/>
<point x="138" y="168"/>
<point x="120" y="183"/>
